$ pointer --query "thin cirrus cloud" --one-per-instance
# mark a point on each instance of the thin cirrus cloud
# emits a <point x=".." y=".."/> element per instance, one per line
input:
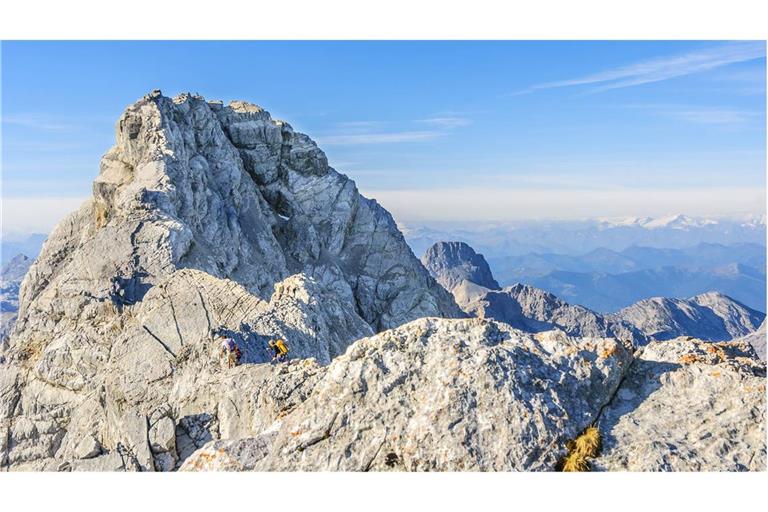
<point x="662" y="68"/>
<point x="361" y="132"/>
<point x="352" y="139"/>
<point x="447" y="122"/>
<point x="702" y="115"/>
<point x="713" y="116"/>
<point x="37" y="122"/>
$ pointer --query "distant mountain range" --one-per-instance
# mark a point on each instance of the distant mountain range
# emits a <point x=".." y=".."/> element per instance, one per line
<point x="26" y="244"/>
<point x="609" y="292"/>
<point x="708" y="316"/>
<point x="505" y="239"/>
<point x="607" y="265"/>
<point x="11" y="275"/>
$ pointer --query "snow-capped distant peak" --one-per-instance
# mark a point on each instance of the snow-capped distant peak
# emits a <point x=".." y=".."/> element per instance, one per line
<point x="677" y="221"/>
<point x="754" y="221"/>
<point x="631" y="221"/>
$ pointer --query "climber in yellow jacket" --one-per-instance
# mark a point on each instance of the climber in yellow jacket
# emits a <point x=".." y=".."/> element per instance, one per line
<point x="279" y="348"/>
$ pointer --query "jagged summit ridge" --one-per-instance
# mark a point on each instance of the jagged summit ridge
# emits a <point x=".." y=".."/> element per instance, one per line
<point x="192" y="184"/>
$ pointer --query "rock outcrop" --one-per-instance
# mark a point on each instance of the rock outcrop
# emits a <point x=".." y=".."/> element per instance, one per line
<point x="756" y="340"/>
<point x="533" y="310"/>
<point x="437" y="394"/>
<point x="453" y="263"/>
<point x="687" y="405"/>
<point x="710" y="316"/>
<point x="203" y="217"/>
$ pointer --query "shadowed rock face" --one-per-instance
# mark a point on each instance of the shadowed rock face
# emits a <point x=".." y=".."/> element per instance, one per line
<point x="207" y="217"/>
<point x="450" y="263"/>
<point x="756" y="340"/>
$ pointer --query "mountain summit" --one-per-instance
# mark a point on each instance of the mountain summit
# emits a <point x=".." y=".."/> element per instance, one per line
<point x="205" y="218"/>
<point x="460" y="270"/>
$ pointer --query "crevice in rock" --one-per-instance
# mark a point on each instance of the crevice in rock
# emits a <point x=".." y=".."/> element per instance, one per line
<point x="167" y="349"/>
<point x="175" y="320"/>
<point x="376" y="454"/>
<point x="325" y="435"/>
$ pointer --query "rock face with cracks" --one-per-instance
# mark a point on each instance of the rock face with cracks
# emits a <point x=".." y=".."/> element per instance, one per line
<point x="203" y="217"/>
<point x="688" y="405"/>
<point x="437" y="394"/>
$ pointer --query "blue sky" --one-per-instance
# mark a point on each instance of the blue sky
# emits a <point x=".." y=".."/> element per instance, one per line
<point x="434" y="130"/>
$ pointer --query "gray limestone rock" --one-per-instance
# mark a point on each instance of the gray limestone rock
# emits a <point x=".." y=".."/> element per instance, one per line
<point x="439" y="395"/>
<point x="710" y="316"/>
<point x="204" y="219"/>
<point x="756" y="340"/>
<point x="450" y="263"/>
<point x="88" y="448"/>
<point x="688" y="405"/>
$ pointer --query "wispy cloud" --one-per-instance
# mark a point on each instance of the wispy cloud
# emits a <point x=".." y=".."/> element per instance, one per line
<point x="38" y="122"/>
<point x="359" y="124"/>
<point x="702" y="115"/>
<point x="447" y="122"/>
<point x="713" y="116"/>
<point x="662" y="68"/>
<point x="376" y="132"/>
<point x="378" y="138"/>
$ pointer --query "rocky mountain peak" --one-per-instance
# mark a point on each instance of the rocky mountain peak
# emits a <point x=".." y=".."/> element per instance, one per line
<point x="192" y="184"/>
<point x="205" y="219"/>
<point x="450" y="263"/>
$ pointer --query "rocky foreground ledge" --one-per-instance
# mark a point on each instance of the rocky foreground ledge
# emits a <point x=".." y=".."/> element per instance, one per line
<point x="454" y="395"/>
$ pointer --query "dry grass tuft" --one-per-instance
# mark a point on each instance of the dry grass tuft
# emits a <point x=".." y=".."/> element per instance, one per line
<point x="101" y="216"/>
<point x="689" y="358"/>
<point x="609" y="351"/>
<point x="586" y="446"/>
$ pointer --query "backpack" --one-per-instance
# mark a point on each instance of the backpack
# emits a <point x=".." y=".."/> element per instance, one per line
<point x="238" y="353"/>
